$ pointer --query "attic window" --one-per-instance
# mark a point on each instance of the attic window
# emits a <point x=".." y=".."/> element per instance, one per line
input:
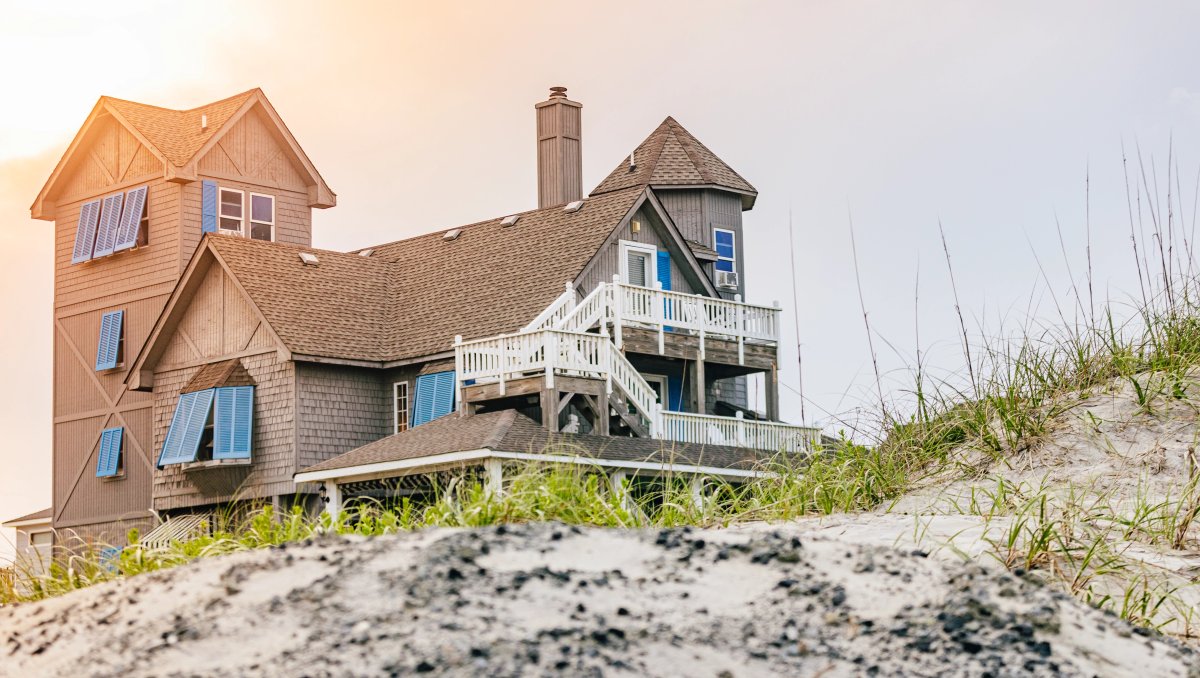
<point x="366" y="253"/>
<point x="573" y="206"/>
<point x="309" y="259"/>
<point x="452" y="234"/>
<point x="510" y="220"/>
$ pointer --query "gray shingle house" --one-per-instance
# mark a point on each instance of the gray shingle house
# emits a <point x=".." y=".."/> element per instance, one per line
<point x="610" y="324"/>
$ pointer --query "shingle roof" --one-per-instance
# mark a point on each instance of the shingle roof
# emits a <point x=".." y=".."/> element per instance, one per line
<point x="178" y="135"/>
<point x="671" y="156"/>
<point x="213" y="375"/>
<point x="510" y="431"/>
<point x="44" y="514"/>
<point x="410" y="298"/>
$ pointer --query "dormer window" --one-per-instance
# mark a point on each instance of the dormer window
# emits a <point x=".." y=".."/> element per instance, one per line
<point x="262" y="216"/>
<point x="232" y="212"/>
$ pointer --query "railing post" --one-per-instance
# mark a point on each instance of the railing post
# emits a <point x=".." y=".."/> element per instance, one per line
<point x="503" y="363"/>
<point x="741" y="329"/>
<point x="550" y="348"/>
<point x="617" y="311"/>
<point x="606" y="361"/>
<point x="741" y="428"/>
<point x="702" y="321"/>
<point x="458" y="372"/>
<point x="656" y="312"/>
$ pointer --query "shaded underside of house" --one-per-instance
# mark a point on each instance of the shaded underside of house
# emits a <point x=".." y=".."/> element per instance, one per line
<point x="509" y="434"/>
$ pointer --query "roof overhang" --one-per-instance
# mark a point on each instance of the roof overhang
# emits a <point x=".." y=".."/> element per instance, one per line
<point x="433" y="462"/>
<point x="29" y="522"/>
<point x="748" y="197"/>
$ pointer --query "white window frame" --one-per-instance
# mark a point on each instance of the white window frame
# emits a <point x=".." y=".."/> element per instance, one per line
<point x="396" y="407"/>
<point x="733" y="236"/>
<point x="626" y="247"/>
<point x="665" y="394"/>
<point x="221" y="191"/>
<point x="250" y="220"/>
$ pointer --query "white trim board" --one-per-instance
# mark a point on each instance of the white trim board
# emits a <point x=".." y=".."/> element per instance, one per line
<point x="386" y="469"/>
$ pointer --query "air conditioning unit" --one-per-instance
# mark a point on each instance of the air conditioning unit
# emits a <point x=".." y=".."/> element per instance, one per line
<point x="727" y="279"/>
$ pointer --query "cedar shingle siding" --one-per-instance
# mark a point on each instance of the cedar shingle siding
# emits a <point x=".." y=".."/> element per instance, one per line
<point x="339" y="409"/>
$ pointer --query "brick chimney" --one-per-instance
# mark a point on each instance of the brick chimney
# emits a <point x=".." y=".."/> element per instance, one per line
<point x="559" y="156"/>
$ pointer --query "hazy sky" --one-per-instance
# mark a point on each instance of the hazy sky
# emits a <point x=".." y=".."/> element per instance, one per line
<point x="989" y="118"/>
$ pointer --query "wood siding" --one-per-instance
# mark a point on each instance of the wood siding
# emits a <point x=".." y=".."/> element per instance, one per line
<point x="607" y="261"/>
<point x="135" y="281"/>
<point x="219" y="324"/>
<point x="339" y="409"/>
<point x="696" y="212"/>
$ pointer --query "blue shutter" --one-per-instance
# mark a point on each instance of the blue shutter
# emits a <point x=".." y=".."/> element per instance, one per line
<point x="131" y="218"/>
<point x="85" y="232"/>
<point x="110" y="217"/>
<point x="674" y="393"/>
<point x="435" y="397"/>
<point x="233" y="422"/>
<point x="664" y="269"/>
<point x="187" y="426"/>
<point x="110" y="340"/>
<point x="109" y="459"/>
<point x="208" y="207"/>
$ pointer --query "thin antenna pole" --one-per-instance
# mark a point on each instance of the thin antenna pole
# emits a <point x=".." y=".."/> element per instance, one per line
<point x="796" y="314"/>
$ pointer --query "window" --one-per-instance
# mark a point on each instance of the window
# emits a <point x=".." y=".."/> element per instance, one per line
<point x="232" y="215"/>
<point x="262" y="216"/>
<point x="400" y="390"/>
<point x="110" y="219"/>
<point x="213" y="424"/>
<point x="110" y="350"/>
<point x="42" y="540"/>
<point x="109" y="462"/>
<point x="638" y="263"/>
<point x="435" y="397"/>
<point x="726" y="249"/>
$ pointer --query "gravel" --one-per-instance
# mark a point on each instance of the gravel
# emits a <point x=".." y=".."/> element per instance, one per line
<point x="557" y="600"/>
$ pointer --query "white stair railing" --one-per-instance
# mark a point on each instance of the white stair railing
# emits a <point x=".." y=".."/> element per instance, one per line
<point x="586" y="314"/>
<point x="554" y="313"/>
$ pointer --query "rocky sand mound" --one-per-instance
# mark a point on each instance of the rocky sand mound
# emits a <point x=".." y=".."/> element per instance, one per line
<point x="557" y="600"/>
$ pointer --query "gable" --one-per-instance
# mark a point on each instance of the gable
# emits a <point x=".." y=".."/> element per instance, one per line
<point x="217" y="321"/>
<point x="252" y="150"/>
<point x="109" y="156"/>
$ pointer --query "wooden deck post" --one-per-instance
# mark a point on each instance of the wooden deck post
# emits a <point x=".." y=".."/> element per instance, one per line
<point x="771" y="378"/>
<point x="658" y="313"/>
<point x="549" y="402"/>
<point x="333" y="499"/>
<point x="701" y="405"/>
<point x="494" y="469"/>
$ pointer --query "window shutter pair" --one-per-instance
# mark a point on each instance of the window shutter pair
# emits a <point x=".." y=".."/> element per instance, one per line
<point x="108" y="226"/>
<point x="233" y="425"/>
<point x="109" y="459"/>
<point x="435" y="397"/>
<point x="108" y="348"/>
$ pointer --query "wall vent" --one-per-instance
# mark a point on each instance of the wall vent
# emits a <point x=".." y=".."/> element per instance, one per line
<point x="510" y="220"/>
<point x="452" y="234"/>
<point x="366" y="253"/>
<point x="309" y="259"/>
<point x="573" y="206"/>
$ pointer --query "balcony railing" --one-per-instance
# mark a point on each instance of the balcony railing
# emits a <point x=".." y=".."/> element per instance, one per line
<point x="705" y="429"/>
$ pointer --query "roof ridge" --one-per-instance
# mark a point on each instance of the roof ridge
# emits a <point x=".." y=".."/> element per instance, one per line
<point x="686" y="144"/>
<point x="180" y="110"/>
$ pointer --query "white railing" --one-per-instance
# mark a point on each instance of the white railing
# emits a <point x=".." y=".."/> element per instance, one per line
<point x="554" y="352"/>
<point x="705" y="429"/>
<point x="695" y="313"/>
<point x="586" y="314"/>
<point x="552" y="317"/>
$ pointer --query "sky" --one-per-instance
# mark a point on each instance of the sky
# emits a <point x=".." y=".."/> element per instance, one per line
<point x="1003" y="122"/>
